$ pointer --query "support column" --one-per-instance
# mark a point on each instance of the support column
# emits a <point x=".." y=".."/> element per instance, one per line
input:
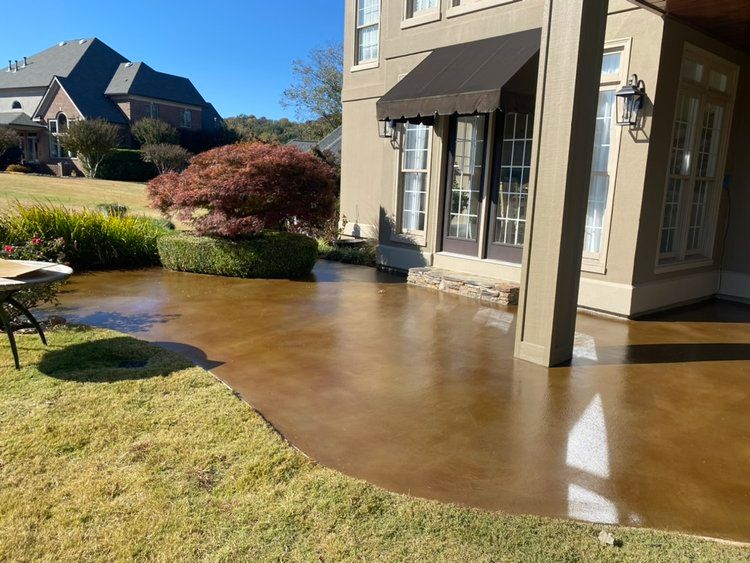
<point x="568" y="91"/>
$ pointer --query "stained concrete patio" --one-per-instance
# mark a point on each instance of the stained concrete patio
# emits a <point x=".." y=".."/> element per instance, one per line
<point x="419" y="393"/>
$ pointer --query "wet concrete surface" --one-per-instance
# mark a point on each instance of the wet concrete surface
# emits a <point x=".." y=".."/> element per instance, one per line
<point x="418" y="392"/>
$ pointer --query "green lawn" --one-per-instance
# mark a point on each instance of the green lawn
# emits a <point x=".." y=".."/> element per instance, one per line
<point x="72" y="192"/>
<point x="111" y="449"/>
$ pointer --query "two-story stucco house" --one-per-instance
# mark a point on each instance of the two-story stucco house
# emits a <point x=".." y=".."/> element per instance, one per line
<point x="482" y="139"/>
<point x="86" y="79"/>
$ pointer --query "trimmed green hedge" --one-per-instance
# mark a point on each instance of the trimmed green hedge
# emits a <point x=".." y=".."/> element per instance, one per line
<point x="126" y="165"/>
<point x="364" y="255"/>
<point x="268" y="255"/>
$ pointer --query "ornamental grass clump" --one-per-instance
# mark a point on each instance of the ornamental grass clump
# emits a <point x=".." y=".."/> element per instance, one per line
<point x="91" y="239"/>
<point x="238" y="191"/>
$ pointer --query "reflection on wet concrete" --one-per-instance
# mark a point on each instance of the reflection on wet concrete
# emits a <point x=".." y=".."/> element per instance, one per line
<point x="419" y="392"/>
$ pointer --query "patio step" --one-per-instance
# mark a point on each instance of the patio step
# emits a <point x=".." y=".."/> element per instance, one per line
<point x="481" y="288"/>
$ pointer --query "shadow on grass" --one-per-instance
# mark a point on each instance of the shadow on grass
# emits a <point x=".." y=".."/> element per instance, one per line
<point x="196" y="355"/>
<point x="111" y="360"/>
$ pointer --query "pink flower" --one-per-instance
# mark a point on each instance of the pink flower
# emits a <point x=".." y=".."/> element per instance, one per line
<point x="8" y="248"/>
<point x="36" y="241"/>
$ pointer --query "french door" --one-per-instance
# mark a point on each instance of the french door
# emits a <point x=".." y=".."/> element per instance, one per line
<point x="503" y="229"/>
<point x="465" y="184"/>
<point x="510" y="187"/>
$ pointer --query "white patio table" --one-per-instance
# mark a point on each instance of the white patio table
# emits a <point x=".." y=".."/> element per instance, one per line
<point x="46" y="273"/>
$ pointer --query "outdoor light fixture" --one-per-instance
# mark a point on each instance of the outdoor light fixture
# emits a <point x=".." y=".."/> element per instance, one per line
<point x="630" y="101"/>
<point x="387" y="129"/>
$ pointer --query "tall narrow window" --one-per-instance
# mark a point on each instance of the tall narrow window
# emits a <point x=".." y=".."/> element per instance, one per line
<point x="696" y="158"/>
<point x="153" y="110"/>
<point x="603" y="164"/>
<point x="415" y="162"/>
<point x="187" y="119"/>
<point x="468" y="168"/>
<point x="56" y="128"/>
<point x="513" y="192"/>
<point x="368" y="31"/>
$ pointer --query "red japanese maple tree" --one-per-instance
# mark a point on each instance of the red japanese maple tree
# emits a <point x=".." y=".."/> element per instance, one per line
<point x="241" y="190"/>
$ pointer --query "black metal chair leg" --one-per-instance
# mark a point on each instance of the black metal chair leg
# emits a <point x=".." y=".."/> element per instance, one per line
<point x="26" y="313"/>
<point x="9" y="331"/>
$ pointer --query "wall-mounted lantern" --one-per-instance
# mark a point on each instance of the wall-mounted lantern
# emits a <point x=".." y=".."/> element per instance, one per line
<point x="630" y="101"/>
<point x="387" y="129"/>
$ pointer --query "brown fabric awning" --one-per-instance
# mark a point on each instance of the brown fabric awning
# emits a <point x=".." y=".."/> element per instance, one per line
<point x="476" y="77"/>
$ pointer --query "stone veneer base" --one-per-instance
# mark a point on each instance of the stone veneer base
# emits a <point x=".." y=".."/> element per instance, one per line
<point x="475" y="287"/>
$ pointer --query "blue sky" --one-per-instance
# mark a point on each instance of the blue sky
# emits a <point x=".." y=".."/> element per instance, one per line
<point x="237" y="53"/>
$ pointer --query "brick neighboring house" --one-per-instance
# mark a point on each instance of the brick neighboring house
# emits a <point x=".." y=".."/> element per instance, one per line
<point x="87" y="79"/>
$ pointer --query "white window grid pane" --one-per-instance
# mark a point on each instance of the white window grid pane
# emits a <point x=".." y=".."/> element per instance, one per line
<point x="600" y="174"/>
<point x="679" y="172"/>
<point x="467" y="176"/>
<point x="368" y="12"/>
<point x="510" y="227"/>
<point x="368" y="30"/>
<point x="417" y="6"/>
<point x="611" y="64"/>
<point x="368" y="43"/>
<point x="414" y="172"/>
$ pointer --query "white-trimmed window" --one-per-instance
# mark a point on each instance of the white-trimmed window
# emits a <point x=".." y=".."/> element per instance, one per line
<point x="186" y="121"/>
<point x="697" y="157"/>
<point x="604" y="161"/>
<point x="56" y="128"/>
<point x="458" y="7"/>
<point x="417" y="8"/>
<point x="515" y="167"/>
<point x="368" y="31"/>
<point x="152" y="110"/>
<point x="414" y="173"/>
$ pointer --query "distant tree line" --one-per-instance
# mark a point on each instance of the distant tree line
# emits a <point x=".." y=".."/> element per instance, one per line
<point x="315" y="96"/>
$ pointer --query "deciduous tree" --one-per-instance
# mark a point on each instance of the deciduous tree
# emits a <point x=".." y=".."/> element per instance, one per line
<point x="239" y="190"/>
<point x="152" y="131"/>
<point x="8" y="139"/>
<point x="91" y="140"/>
<point x="166" y="158"/>
<point x="315" y="92"/>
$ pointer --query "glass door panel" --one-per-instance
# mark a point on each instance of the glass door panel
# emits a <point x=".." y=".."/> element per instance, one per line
<point x="465" y="184"/>
<point x="510" y="188"/>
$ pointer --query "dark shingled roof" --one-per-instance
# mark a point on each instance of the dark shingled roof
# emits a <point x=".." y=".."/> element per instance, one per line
<point x="59" y="60"/>
<point x="90" y="71"/>
<point x="139" y="79"/>
<point x="332" y="142"/>
<point x="302" y="145"/>
<point x="19" y="119"/>
<point x="211" y="118"/>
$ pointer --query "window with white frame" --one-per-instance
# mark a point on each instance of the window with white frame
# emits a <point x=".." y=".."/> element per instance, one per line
<point x="56" y="128"/>
<point x="414" y="176"/>
<point x="604" y="161"/>
<point x="515" y="167"/>
<point x="416" y="8"/>
<point x="470" y="5"/>
<point x="368" y="31"/>
<point x="187" y="119"/>
<point x="696" y="161"/>
<point x="152" y="110"/>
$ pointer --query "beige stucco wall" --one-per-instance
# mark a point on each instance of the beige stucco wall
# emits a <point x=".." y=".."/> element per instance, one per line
<point x="629" y="283"/>
<point x="29" y="98"/>
<point x="659" y="288"/>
